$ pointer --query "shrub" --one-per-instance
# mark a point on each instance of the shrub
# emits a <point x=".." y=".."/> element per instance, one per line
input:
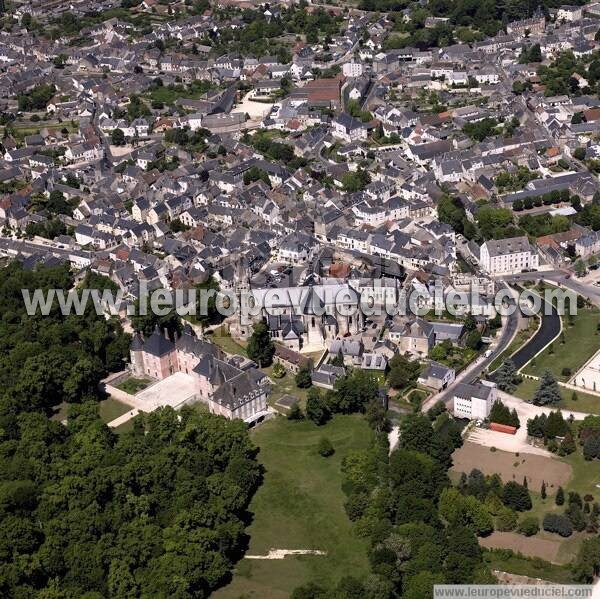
<point x="529" y="526"/>
<point x="566" y="372"/>
<point x="325" y="448"/>
<point x="278" y="371"/>
<point x="506" y="520"/>
<point x="558" y="524"/>
<point x="295" y="413"/>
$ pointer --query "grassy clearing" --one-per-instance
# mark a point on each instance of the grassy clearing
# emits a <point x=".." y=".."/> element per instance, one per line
<point x="226" y="342"/>
<point x="586" y="475"/>
<point x="581" y="343"/>
<point x="584" y="403"/>
<point x="111" y="408"/>
<point x="285" y="386"/>
<point x="132" y="385"/>
<point x="506" y="561"/>
<point x="300" y="506"/>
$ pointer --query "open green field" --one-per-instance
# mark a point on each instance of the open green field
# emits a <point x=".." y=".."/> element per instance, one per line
<point x="585" y="402"/>
<point x="170" y="94"/>
<point x="582" y="341"/>
<point x="300" y="506"/>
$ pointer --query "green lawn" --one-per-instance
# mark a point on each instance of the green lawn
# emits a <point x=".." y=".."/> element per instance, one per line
<point x="504" y="561"/>
<point x="226" y="342"/>
<point x="132" y="385"/>
<point x="585" y="476"/>
<point x="582" y="341"/>
<point x="111" y="408"/>
<point x="300" y="506"/>
<point x="284" y="386"/>
<point x="584" y="403"/>
<point x="170" y="94"/>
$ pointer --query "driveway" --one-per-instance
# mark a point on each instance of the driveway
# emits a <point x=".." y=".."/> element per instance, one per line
<point x="517" y="442"/>
<point x="527" y="410"/>
<point x="511" y="443"/>
<point x="474" y="370"/>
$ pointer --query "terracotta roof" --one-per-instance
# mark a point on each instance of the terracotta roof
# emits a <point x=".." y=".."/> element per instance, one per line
<point x="592" y="114"/>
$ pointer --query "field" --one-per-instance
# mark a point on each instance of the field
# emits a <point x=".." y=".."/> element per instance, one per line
<point x="108" y="409"/>
<point x="505" y="561"/>
<point x="534" y="546"/>
<point x="509" y="466"/>
<point x="581" y="343"/>
<point x="585" y="402"/>
<point x="572" y="472"/>
<point x="300" y="506"/>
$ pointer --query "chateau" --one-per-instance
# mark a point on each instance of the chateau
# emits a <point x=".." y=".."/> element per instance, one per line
<point x="231" y="387"/>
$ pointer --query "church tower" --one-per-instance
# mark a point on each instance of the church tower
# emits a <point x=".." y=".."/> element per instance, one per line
<point x="241" y="326"/>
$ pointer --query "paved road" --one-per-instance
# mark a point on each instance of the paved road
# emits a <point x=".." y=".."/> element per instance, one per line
<point x="564" y="278"/>
<point x="474" y="370"/>
<point x="548" y="331"/>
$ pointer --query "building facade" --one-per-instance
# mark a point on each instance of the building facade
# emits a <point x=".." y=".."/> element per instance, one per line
<point x="228" y="388"/>
<point x="506" y="256"/>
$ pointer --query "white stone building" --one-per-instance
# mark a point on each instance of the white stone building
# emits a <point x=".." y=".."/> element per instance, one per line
<point x="505" y="256"/>
<point x="474" y="401"/>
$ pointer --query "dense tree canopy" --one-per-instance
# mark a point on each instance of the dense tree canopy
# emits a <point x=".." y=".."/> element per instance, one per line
<point x="157" y="512"/>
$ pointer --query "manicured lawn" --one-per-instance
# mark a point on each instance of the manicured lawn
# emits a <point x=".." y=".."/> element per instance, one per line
<point x="416" y="397"/>
<point x="125" y="427"/>
<point x="224" y="340"/>
<point x="585" y="402"/>
<point x="132" y="385"/>
<point x="284" y="386"/>
<point x="582" y="341"/>
<point x="111" y="408"/>
<point x="108" y="409"/>
<point x="300" y="506"/>
<point x="169" y="95"/>
<point x="586" y="475"/>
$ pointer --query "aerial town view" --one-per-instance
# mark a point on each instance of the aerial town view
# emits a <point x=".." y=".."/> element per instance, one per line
<point x="299" y="299"/>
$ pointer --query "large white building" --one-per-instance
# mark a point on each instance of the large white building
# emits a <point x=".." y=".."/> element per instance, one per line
<point x="352" y="69"/>
<point x="569" y="12"/>
<point x="505" y="256"/>
<point x="474" y="401"/>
